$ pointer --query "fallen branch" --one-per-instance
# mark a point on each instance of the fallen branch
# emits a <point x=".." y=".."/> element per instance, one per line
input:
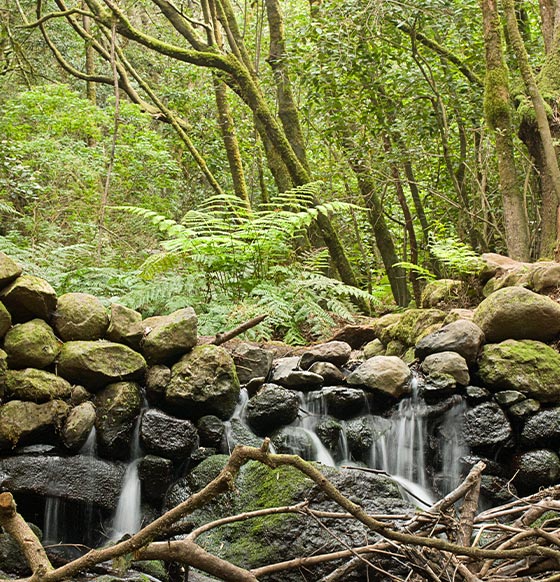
<point x="222" y="338"/>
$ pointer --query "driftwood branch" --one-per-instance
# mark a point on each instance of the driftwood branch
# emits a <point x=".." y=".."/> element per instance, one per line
<point x="222" y="338"/>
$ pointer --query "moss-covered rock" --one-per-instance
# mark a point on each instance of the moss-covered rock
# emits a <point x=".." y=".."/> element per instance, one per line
<point x="78" y="426"/>
<point x="118" y="406"/>
<point x="414" y="324"/>
<point x="9" y="270"/>
<point x="24" y="423"/>
<point x="517" y="313"/>
<point x="36" y="385"/>
<point x="80" y="316"/>
<point x="29" y="297"/>
<point x="383" y="326"/>
<point x="202" y="382"/>
<point x="374" y="348"/>
<point x="94" y="364"/>
<point x="5" y="320"/>
<point x="387" y="374"/>
<point x="125" y="326"/>
<point x="445" y="292"/>
<point x="31" y="345"/>
<point x="528" y="366"/>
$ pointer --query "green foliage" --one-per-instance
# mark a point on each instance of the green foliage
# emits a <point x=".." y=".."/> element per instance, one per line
<point x="458" y="257"/>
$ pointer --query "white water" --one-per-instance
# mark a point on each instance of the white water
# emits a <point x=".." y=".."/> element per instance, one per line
<point x="52" y="521"/>
<point x="128" y="516"/>
<point x="452" y="446"/>
<point x="314" y="408"/>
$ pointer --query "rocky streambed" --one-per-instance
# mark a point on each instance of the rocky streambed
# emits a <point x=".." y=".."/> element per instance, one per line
<point x="95" y="400"/>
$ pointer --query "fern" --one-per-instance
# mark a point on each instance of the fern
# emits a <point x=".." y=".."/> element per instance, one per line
<point x="457" y="256"/>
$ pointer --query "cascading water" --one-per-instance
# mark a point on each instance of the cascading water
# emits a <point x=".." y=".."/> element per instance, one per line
<point x="128" y="516"/>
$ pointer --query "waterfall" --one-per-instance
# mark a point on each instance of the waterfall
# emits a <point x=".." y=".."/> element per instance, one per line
<point x="128" y="516"/>
<point x="452" y="446"/>
<point x="53" y="520"/>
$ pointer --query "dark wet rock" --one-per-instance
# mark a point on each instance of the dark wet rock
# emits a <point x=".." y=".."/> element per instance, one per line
<point x="295" y="440"/>
<point x="387" y="374"/>
<point x="334" y="352"/>
<point x="24" y="423"/>
<point x="329" y="431"/>
<point x="528" y="366"/>
<point x="155" y="475"/>
<point x="497" y="489"/>
<point x="78" y="425"/>
<point x="118" y="406"/>
<point x="344" y="402"/>
<point x="76" y="478"/>
<point x="31" y="345"/>
<point x="125" y="326"/>
<point x="169" y="336"/>
<point x="238" y="434"/>
<point x="29" y="297"/>
<point x="463" y="337"/>
<point x="157" y="379"/>
<point x="438" y="385"/>
<point x="202" y="453"/>
<point x="517" y="313"/>
<point x="272" y="407"/>
<point x="486" y="425"/>
<point x="362" y="432"/>
<point x="210" y="430"/>
<point x="94" y="364"/>
<point x="329" y="372"/>
<point x="542" y="428"/>
<point x="167" y="436"/>
<point x="536" y="469"/>
<point x="447" y="363"/>
<point x="201" y="475"/>
<point x="202" y="382"/>
<point x="36" y="385"/>
<point x="509" y="397"/>
<point x="80" y="316"/>
<point x="492" y="467"/>
<point x="477" y="394"/>
<point x="524" y="408"/>
<point x="251" y="362"/>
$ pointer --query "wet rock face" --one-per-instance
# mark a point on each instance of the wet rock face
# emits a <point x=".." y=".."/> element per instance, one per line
<point x="167" y="436"/>
<point x="536" y="468"/>
<point x="449" y="363"/>
<point x="486" y="425"/>
<point x="542" y="428"/>
<point x="387" y="374"/>
<point x="156" y="474"/>
<point x="271" y="408"/>
<point x="251" y="362"/>
<point x="31" y="345"/>
<point x="81" y="478"/>
<point x="80" y="316"/>
<point x="344" y="402"/>
<point x="211" y="431"/>
<point x="78" y="425"/>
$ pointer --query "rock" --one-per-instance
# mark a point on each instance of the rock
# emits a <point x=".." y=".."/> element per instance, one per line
<point x="486" y="425"/>
<point x="80" y="316"/>
<point x="295" y="440"/>
<point x="395" y="348"/>
<point x="445" y="292"/>
<point x="79" y="395"/>
<point x="517" y="313"/>
<point x="94" y="364"/>
<point x="9" y="270"/>
<point x="156" y="474"/>
<point x="125" y="326"/>
<point x="29" y="297"/>
<point x="374" y="348"/>
<point x="524" y="408"/>
<point x="78" y="425"/>
<point x="497" y="489"/>
<point x="251" y="362"/>
<point x="5" y="320"/>
<point x="498" y="265"/>
<point x="23" y="423"/>
<point x="76" y="478"/>
<point x="457" y="314"/>
<point x="329" y="373"/>
<point x="447" y="363"/>
<point x="118" y="406"/>
<point x="238" y="434"/>
<point x="272" y="407"/>
<point x="545" y="276"/>
<point x="438" y="385"/>
<point x="285" y="372"/>
<point x="462" y="336"/>
<point x="335" y="352"/>
<point x="387" y="374"/>
<point x="413" y="324"/>
<point x="476" y="394"/>
<point x="355" y="335"/>
<point x="508" y="397"/>
<point x="169" y="336"/>
<point x="12" y="558"/>
<point x="542" y="429"/>
<point x="385" y="325"/>
<point x="36" y="385"/>
<point x="31" y="345"/>
<point x="536" y="469"/>
<point x="344" y="402"/>
<point x="202" y="382"/>
<point x="157" y="379"/>
<point x="167" y="436"/>
<point x="329" y="431"/>
<point x="528" y="366"/>
<point x="211" y="431"/>
<point x="3" y="370"/>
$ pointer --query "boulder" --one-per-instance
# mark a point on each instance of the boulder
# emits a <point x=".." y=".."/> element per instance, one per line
<point x="94" y="364"/>
<point x="509" y="397"/>
<point x="157" y="379"/>
<point x="374" y="348"/>
<point x="237" y="433"/>
<point x="155" y="474"/>
<point x="387" y="374"/>
<point x="476" y="394"/>
<point x="545" y="276"/>
<point x="534" y="469"/>
<point x="438" y="385"/>
<point x="355" y="335"/>
<point x="296" y="440"/>
<point x="9" y="270"/>
<point x="486" y="425"/>
<point x="251" y="362"/>
<point x="76" y="478"/>
<point x="462" y="336"/>
<point x="272" y="407"/>
<point x="329" y="372"/>
<point x="444" y="292"/>
<point x="118" y="406"/>
<point x="334" y="352"/>
<point x="36" y="385"/>
<point x="542" y="429"/>
<point x="202" y="382"/>
<point x="286" y="372"/>
<point x="5" y="320"/>
<point x="211" y="431"/>
<point x="344" y="402"/>
<point x="329" y="430"/>
<point x="383" y="326"/>
<point x="528" y="366"/>
<point x="413" y="325"/>
<point x="31" y="345"/>
<point x="449" y="363"/>
<point x="23" y="423"/>
<point x="167" y="436"/>
<point x="517" y="313"/>
<point x="524" y="408"/>
<point x="29" y="297"/>
<point x="80" y="316"/>
<point x="78" y="425"/>
<point x="169" y="336"/>
<point x="125" y="326"/>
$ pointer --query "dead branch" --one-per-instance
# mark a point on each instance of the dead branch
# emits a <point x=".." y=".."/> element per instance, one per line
<point x="222" y="338"/>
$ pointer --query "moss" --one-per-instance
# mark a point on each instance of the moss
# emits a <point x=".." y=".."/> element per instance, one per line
<point x="496" y="103"/>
